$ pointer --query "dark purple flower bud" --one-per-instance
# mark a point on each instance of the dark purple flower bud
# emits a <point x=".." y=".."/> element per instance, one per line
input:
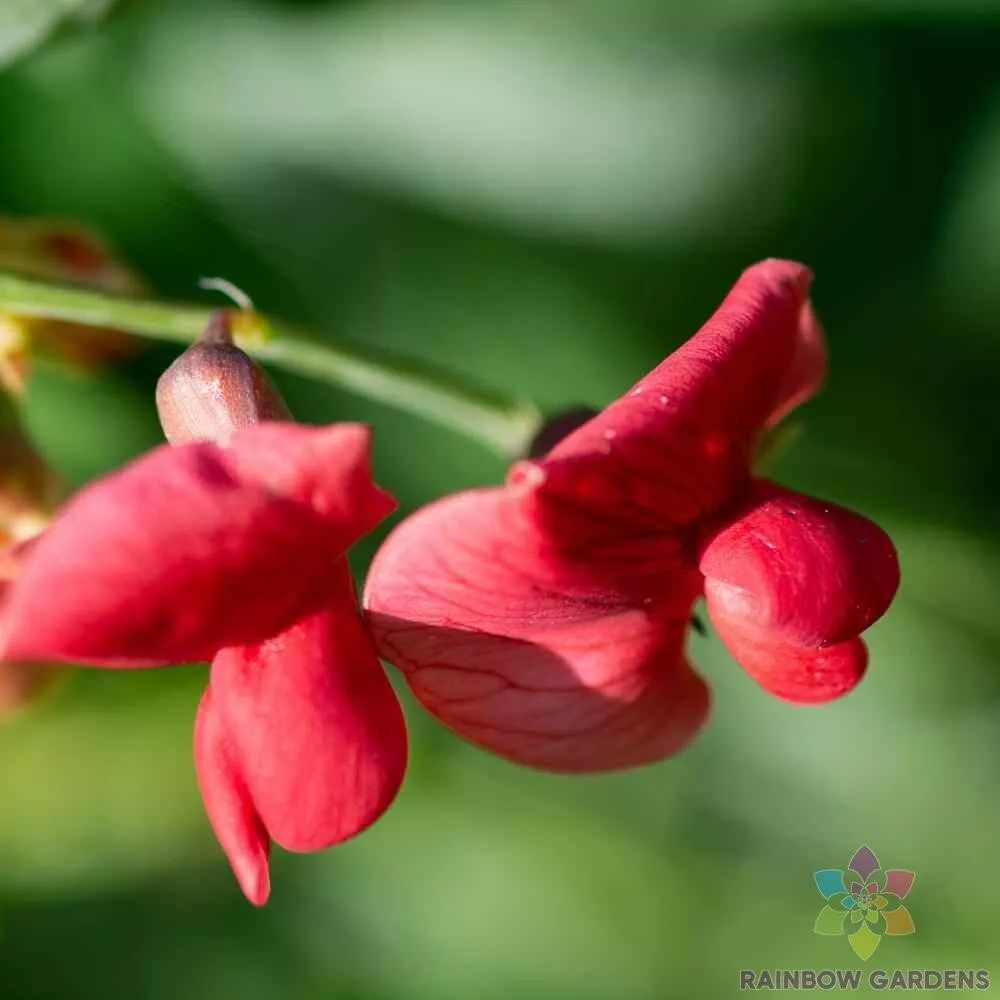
<point x="214" y="389"/>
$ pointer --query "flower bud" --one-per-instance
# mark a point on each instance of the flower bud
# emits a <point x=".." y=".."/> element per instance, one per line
<point x="214" y="390"/>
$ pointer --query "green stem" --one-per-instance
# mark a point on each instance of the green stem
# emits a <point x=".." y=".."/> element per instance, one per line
<point x="503" y="424"/>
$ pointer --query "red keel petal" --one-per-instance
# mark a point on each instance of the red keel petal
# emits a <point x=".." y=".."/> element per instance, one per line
<point x="800" y="568"/>
<point x="316" y="731"/>
<point x="791" y="582"/>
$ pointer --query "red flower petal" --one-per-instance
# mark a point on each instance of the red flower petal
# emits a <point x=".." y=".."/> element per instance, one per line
<point x="800" y="568"/>
<point x="326" y="468"/>
<point x="807" y="370"/>
<point x="790" y="582"/>
<point x="546" y="655"/>
<point x="315" y="731"/>
<point x="800" y="674"/>
<point x="194" y="548"/>
<point x="230" y="810"/>
<point x="677" y="446"/>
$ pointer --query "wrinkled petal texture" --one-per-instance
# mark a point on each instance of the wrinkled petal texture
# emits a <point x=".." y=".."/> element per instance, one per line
<point x="791" y="582"/>
<point x="313" y="731"/>
<point x="194" y="548"/>
<point x="501" y="635"/>
<point x="678" y="445"/>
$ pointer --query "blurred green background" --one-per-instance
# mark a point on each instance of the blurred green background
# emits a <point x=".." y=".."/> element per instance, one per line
<point x="548" y="196"/>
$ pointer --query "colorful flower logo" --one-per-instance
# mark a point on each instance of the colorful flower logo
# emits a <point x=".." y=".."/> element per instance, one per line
<point x="864" y="902"/>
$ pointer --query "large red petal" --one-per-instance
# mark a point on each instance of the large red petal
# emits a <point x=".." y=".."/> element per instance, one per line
<point x="677" y="446"/>
<point x="228" y="804"/>
<point x="317" y="734"/>
<point x="563" y="657"/>
<point x="194" y="548"/>
<point x="791" y="581"/>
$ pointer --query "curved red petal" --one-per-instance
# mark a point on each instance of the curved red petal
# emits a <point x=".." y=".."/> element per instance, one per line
<point x="326" y="468"/>
<point x="229" y="808"/>
<point x="799" y="569"/>
<point x="808" y="367"/>
<point x="193" y="548"/>
<point x="317" y="733"/>
<point x="548" y="655"/>
<point x="678" y="444"/>
<point x="800" y="674"/>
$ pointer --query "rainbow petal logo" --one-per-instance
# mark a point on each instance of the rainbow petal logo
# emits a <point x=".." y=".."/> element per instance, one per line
<point x="864" y="902"/>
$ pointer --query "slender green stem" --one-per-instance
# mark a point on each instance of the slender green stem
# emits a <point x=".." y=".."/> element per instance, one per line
<point x="504" y="424"/>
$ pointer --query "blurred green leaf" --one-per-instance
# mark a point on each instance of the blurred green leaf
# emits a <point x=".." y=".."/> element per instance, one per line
<point x="483" y="113"/>
<point x="98" y="787"/>
<point x="25" y="24"/>
<point x="969" y="256"/>
<point x="469" y="182"/>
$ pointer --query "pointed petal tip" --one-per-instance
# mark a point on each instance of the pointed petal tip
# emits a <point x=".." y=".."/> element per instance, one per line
<point x="352" y="443"/>
<point x="255" y="881"/>
<point x="329" y="467"/>
<point x="784" y="271"/>
<point x="230" y="809"/>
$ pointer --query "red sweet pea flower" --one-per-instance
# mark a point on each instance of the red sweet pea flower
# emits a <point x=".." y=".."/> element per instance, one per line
<point x="236" y="555"/>
<point x="545" y="620"/>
